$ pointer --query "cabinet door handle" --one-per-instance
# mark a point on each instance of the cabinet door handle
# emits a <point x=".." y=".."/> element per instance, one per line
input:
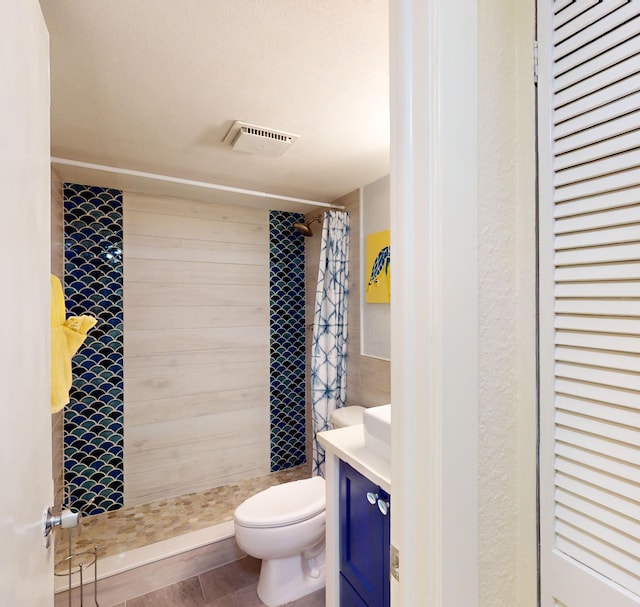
<point x="383" y="506"/>
<point x="372" y="497"/>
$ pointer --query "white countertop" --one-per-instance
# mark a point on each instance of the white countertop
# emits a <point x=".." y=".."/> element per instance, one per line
<point x="348" y="444"/>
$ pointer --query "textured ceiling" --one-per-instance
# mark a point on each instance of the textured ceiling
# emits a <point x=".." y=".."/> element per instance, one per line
<point x="154" y="85"/>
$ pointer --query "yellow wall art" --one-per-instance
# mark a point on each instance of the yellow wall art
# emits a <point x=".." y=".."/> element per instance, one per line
<point x="378" y="260"/>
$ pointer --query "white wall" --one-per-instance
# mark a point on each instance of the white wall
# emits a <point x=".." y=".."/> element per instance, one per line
<point x="524" y="149"/>
<point x="506" y="217"/>
<point x="441" y="183"/>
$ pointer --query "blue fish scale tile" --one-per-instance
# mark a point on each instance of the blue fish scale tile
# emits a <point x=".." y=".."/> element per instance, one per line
<point x="93" y="441"/>
<point x="287" y="318"/>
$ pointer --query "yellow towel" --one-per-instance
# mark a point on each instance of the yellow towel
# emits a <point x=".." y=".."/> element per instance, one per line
<point x="67" y="336"/>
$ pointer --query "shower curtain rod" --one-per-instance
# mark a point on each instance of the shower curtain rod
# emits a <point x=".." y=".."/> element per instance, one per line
<point x="189" y="182"/>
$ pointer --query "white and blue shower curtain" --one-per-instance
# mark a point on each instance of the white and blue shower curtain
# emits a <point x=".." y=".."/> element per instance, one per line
<point x="329" y="350"/>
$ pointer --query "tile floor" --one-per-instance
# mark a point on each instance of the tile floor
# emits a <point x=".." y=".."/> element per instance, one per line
<point x="232" y="585"/>
<point x="135" y="526"/>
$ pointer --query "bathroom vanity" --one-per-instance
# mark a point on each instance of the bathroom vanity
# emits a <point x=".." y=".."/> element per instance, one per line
<point x="364" y="538"/>
<point x="358" y="485"/>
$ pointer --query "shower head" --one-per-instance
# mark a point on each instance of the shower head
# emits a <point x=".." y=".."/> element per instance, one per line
<point x="304" y="228"/>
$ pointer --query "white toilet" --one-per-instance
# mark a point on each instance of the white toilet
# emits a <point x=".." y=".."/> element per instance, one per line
<point x="284" y="526"/>
<point x="346" y="416"/>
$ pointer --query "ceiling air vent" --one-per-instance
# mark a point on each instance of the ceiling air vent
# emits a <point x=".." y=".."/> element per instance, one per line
<point x="254" y="139"/>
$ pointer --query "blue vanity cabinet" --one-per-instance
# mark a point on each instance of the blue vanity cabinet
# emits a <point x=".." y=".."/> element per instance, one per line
<point x="364" y="541"/>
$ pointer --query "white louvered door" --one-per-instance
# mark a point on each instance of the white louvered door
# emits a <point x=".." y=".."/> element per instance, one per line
<point x="589" y="150"/>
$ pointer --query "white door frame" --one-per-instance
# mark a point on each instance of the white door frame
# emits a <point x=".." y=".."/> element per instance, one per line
<point x="434" y="199"/>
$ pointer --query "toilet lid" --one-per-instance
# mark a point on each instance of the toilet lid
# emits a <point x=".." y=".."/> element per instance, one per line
<point x="283" y="505"/>
<point x="347" y="416"/>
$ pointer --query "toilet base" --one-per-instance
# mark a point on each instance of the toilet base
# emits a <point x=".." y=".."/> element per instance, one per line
<point x="284" y="580"/>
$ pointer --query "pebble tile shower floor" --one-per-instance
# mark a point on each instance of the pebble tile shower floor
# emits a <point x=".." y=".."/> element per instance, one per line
<point x="132" y="527"/>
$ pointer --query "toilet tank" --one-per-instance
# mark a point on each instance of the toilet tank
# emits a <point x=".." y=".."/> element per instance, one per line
<point x="346" y="416"/>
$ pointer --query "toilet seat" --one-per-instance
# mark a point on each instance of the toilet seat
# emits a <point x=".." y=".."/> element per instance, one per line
<point x="283" y="505"/>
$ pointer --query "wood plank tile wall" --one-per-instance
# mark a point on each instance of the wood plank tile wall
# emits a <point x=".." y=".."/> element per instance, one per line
<point x="196" y="317"/>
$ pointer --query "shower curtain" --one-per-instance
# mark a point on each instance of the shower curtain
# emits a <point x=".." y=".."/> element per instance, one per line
<point x="329" y="348"/>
